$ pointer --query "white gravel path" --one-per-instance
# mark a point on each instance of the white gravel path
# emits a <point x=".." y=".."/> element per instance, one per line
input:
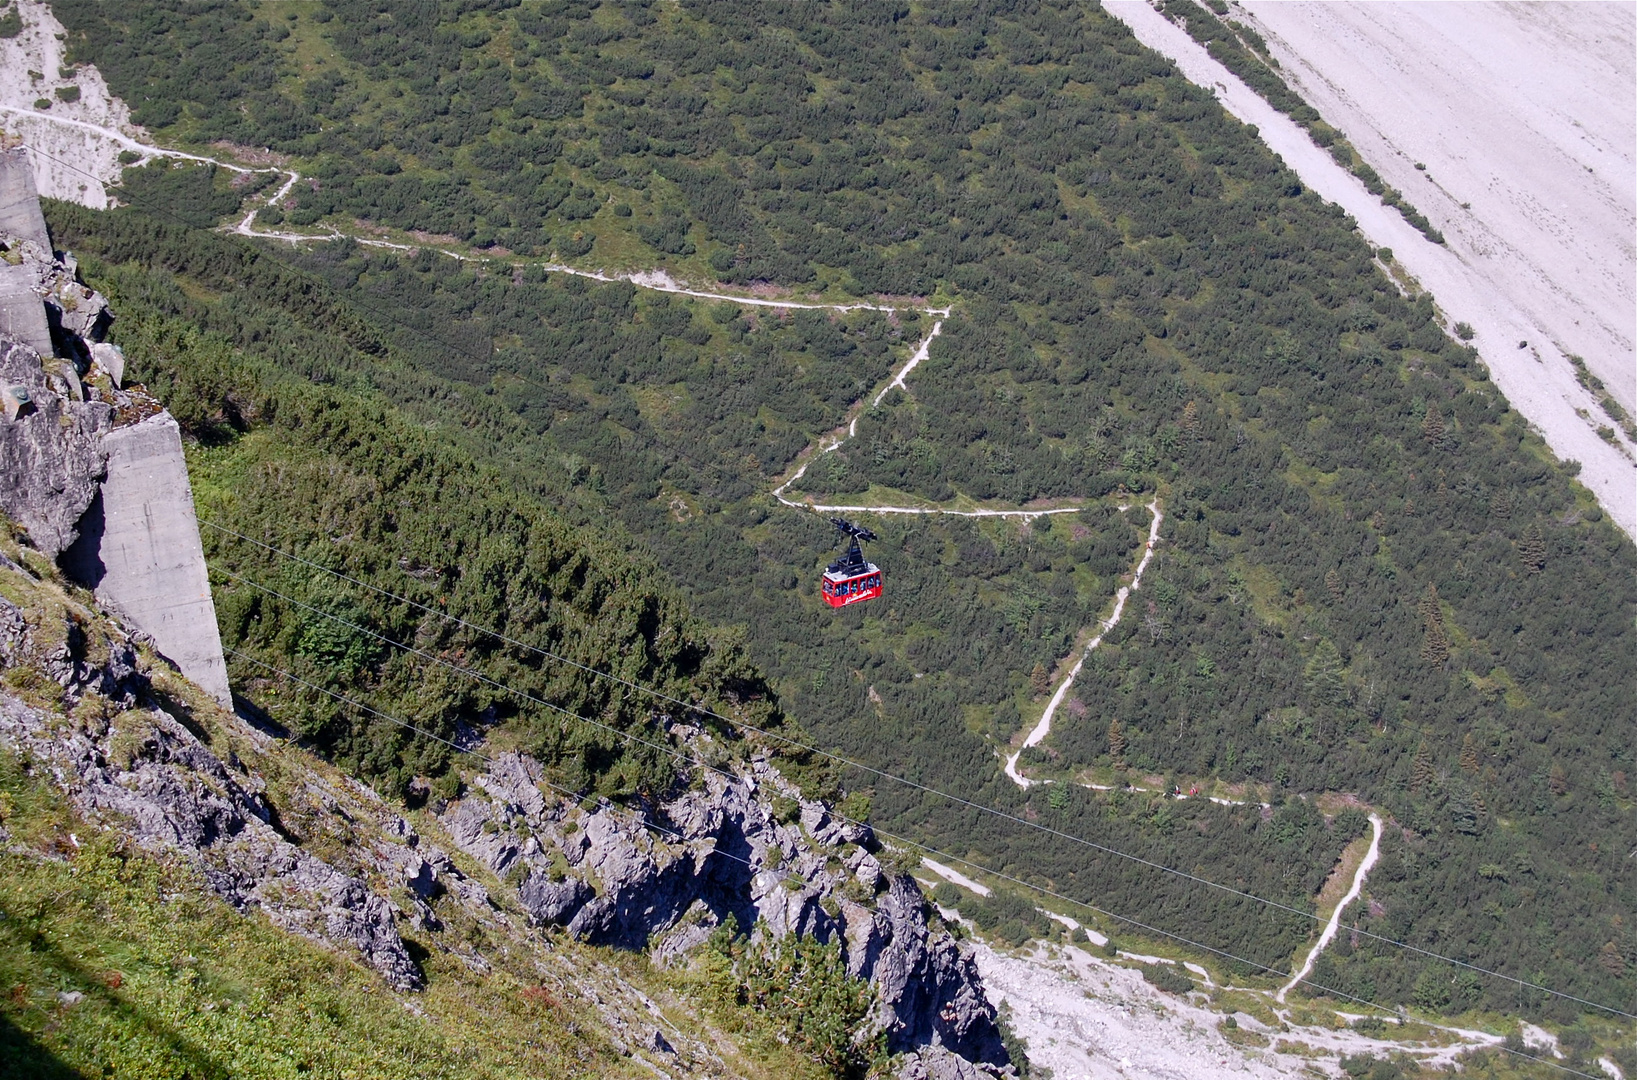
<point x="1334" y="924"/>
<point x="950" y="874"/>
<point x="71" y="131"/>
<point x="1044" y="727"/>
<point x="1537" y="379"/>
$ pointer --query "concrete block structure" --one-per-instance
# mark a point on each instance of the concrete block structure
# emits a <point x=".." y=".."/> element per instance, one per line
<point x="20" y="214"/>
<point x="152" y="565"/>
<point x="22" y="312"/>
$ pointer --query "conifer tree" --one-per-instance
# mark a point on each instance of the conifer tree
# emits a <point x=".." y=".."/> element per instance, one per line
<point x="1324" y="674"/>
<point x="1610" y="960"/>
<point x="1040" y="680"/>
<point x="1421" y="767"/>
<point x="1190" y="420"/>
<point x="1500" y="505"/>
<point x="1332" y="581"/>
<point x="1116" y="742"/>
<point x="1469" y="753"/>
<point x="1532" y="548"/>
<point x="1428" y="607"/>
<point x="1432" y="425"/>
<point x="1435" y="645"/>
<point x="1434" y="641"/>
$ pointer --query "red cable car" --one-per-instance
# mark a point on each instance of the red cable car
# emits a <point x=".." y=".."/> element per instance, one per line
<point x="851" y="579"/>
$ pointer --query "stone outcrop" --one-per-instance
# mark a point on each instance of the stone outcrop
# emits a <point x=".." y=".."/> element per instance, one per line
<point x="743" y="844"/>
<point x="723" y="848"/>
<point x="94" y="469"/>
<point x="51" y="455"/>
<point x="145" y="769"/>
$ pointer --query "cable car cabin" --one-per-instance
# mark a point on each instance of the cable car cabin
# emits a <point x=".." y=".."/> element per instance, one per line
<point x="851" y="579"/>
<point x="851" y="586"/>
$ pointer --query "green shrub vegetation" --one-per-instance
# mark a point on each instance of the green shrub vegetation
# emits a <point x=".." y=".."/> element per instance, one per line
<point x="801" y="989"/>
<point x="1167" y="977"/>
<point x="1372" y="577"/>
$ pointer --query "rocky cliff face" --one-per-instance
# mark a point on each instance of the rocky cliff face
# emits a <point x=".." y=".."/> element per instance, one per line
<point x="60" y="396"/>
<point x="330" y="860"/>
<point x="51" y="456"/>
<point x="93" y="469"/>
<point x="743" y="844"/>
<point x="129" y="760"/>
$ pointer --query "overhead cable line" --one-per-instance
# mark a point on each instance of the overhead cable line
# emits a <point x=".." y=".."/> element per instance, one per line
<point x="679" y="755"/>
<point x="958" y="800"/>
<point x="1017" y="819"/>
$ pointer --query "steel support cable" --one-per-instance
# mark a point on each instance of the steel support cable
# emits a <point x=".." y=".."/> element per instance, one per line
<point x="326" y="286"/>
<point x="912" y="844"/>
<point x="880" y="774"/>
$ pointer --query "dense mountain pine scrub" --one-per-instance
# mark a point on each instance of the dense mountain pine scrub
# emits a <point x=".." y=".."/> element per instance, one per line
<point x="1373" y="577"/>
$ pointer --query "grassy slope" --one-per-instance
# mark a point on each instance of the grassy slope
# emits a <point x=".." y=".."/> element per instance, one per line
<point x="1050" y="155"/>
<point x="119" y="962"/>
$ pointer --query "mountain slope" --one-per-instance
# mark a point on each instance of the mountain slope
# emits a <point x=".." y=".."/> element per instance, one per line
<point x="138" y="816"/>
<point x="1372" y="577"/>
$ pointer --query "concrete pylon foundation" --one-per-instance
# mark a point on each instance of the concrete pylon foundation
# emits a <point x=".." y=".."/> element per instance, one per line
<point x="152" y="564"/>
<point x="20" y="214"/>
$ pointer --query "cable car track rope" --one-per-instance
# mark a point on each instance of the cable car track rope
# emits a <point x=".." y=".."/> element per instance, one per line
<point x="915" y="845"/>
<point x="649" y="283"/>
<point x="957" y="800"/>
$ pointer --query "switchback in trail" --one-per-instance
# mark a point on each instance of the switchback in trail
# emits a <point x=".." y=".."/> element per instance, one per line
<point x="1044" y="727"/>
<point x="655" y="279"/>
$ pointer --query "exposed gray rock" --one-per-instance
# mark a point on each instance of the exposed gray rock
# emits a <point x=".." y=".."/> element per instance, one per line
<point x="929" y="988"/>
<point x="937" y="1063"/>
<point x="669" y="876"/>
<point x="110" y="358"/>
<point x="51" y="455"/>
<point x="549" y="901"/>
<point x="150" y="773"/>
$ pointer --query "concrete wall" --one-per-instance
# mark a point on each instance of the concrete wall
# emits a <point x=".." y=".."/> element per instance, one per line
<point x="19" y="201"/>
<point x="152" y="565"/>
<point x="22" y="312"/>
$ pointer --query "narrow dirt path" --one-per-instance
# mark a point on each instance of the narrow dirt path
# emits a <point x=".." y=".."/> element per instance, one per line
<point x="1334" y="924"/>
<point x="657" y="280"/>
<point x="1044" y="727"/>
<point x="835" y="439"/>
